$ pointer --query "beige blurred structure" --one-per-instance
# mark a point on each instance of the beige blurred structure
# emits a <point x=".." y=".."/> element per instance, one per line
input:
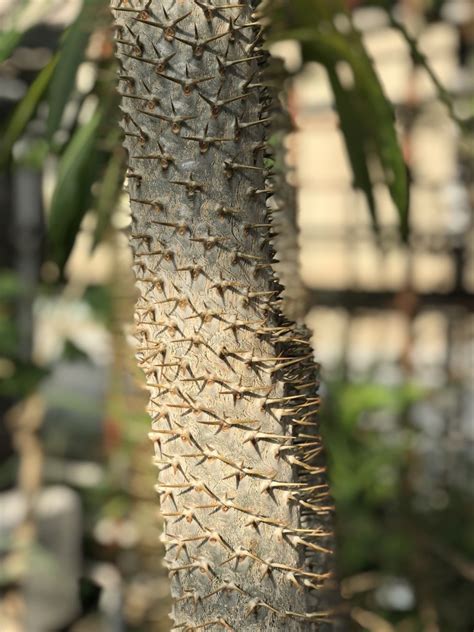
<point x="411" y="295"/>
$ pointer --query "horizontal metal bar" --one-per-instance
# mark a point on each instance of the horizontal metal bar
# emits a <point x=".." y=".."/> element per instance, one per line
<point x="404" y="300"/>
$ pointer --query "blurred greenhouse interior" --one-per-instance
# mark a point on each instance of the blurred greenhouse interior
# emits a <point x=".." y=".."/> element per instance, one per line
<point x="393" y="331"/>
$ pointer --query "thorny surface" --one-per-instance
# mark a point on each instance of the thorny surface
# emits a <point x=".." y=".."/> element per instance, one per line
<point x="233" y="387"/>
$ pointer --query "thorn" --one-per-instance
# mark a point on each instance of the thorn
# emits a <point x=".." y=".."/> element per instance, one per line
<point x="209" y="242"/>
<point x="188" y="85"/>
<point x="157" y="206"/>
<point x="125" y="9"/>
<point x="176" y="121"/>
<point x="245" y="257"/>
<point x="225" y="211"/>
<point x="180" y="227"/>
<point x="128" y="78"/>
<point x="210" y="10"/>
<point x="195" y="270"/>
<point x="230" y="167"/>
<point x="165" y="159"/>
<point x="192" y="187"/>
<point x="206" y="141"/>
<point x="249" y="227"/>
<point x="169" y="30"/>
<point x="151" y="103"/>
<point x="224" y="65"/>
<point x="145" y="60"/>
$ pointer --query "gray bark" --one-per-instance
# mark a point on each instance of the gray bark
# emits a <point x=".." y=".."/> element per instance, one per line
<point x="233" y="389"/>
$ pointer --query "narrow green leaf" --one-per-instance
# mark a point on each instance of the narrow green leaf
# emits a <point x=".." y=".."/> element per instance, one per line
<point x="77" y="171"/>
<point x="8" y="41"/>
<point x="71" y="55"/>
<point x="18" y="19"/>
<point x="355" y="142"/>
<point x="370" y="111"/>
<point x="25" y="110"/>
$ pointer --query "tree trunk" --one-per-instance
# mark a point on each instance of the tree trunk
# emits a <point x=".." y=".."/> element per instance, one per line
<point x="233" y="389"/>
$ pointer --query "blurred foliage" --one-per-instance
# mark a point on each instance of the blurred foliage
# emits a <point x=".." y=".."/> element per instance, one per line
<point x="23" y="379"/>
<point x="72" y="51"/>
<point x="77" y="171"/>
<point x="90" y="163"/>
<point x="25" y="111"/>
<point x="14" y="28"/>
<point x="99" y="299"/>
<point x="327" y="35"/>
<point x="79" y="131"/>
<point x="368" y="428"/>
<point x="18" y="376"/>
<point x="365" y="464"/>
<point x="389" y="529"/>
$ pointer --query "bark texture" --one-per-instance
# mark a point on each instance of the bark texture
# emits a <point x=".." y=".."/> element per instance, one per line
<point x="233" y="389"/>
<point x="283" y="203"/>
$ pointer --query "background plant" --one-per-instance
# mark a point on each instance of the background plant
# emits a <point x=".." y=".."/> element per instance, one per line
<point x="76" y="133"/>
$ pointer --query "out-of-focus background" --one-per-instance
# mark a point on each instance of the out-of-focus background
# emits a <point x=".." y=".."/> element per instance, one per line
<point x="393" y="330"/>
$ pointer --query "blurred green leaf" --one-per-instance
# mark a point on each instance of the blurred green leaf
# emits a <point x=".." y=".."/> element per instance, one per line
<point x="72" y="353"/>
<point x="19" y="18"/>
<point x="76" y="173"/>
<point x="99" y="299"/>
<point x="370" y="114"/>
<point x="23" y="381"/>
<point x="355" y="399"/>
<point x="8" y="42"/>
<point x="367" y="117"/>
<point x="366" y="462"/>
<point x="8" y="336"/>
<point x="33" y="154"/>
<point x="110" y="187"/>
<point x="71" y="54"/>
<point x="25" y="110"/>
<point x="366" y="467"/>
<point x="10" y="285"/>
<point x="355" y="143"/>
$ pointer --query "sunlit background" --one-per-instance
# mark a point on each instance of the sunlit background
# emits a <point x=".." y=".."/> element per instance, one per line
<point x="393" y="330"/>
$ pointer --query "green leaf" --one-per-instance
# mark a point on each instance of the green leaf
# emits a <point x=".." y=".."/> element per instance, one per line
<point x="8" y="336"/>
<point x="10" y="285"/>
<point x="8" y="41"/>
<point x="109" y="191"/>
<point x="99" y="299"/>
<point x="367" y="110"/>
<point x="71" y="54"/>
<point x="367" y="117"/>
<point x="355" y="143"/>
<point x="25" y="110"/>
<point x="23" y="381"/>
<point x="20" y="17"/>
<point x="71" y="198"/>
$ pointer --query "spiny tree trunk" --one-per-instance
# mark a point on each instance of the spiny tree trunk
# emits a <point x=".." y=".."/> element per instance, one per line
<point x="233" y="389"/>
<point x="283" y="203"/>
